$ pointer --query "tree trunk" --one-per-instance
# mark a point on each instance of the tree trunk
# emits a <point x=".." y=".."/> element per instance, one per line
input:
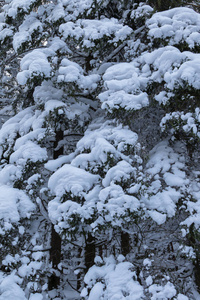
<point x="125" y="243"/>
<point x="55" y="247"/>
<point x="79" y="276"/>
<point x="55" y="258"/>
<point x="89" y="252"/>
<point x="197" y="271"/>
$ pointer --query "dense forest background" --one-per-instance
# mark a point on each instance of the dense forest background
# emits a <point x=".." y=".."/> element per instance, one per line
<point x="99" y="150"/>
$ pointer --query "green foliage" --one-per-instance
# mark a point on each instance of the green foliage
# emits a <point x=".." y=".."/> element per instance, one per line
<point x="185" y="98"/>
<point x="161" y="5"/>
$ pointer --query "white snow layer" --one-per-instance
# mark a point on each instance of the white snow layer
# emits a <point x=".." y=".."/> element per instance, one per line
<point x="177" y="26"/>
<point x="164" y="164"/>
<point x="112" y="281"/>
<point x="93" y="30"/>
<point x="173" y="68"/>
<point x="28" y="152"/>
<point x="10" y="289"/>
<point x="101" y="141"/>
<point x="32" y="65"/>
<point x="123" y="88"/>
<point x="189" y="122"/>
<point x="71" y="72"/>
<point x="16" y="5"/>
<point x="167" y="291"/>
<point x="14" y="204"/>
<point x="69" y="179"/>
<point x="30" y="26"/>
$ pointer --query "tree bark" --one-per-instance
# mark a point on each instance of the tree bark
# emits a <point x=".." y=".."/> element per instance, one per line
<point x="55" y="258"/>
<point x="125" y="243"/>
<point x="89" y="252"/>
<point x="55" y="247"/>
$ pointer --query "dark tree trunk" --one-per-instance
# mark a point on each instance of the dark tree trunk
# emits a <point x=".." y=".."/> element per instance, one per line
<point x="89" y="252"/>
<point x="55" y="258"/>
<point x="55" y="249"/>
<point x="58" y="151"/>
<point x="125" y="243"/>
<point x="197" y="271"/>
<point x="101" y="251"/>
<point x="194" y="241"/>
<point x="79" y="276"/>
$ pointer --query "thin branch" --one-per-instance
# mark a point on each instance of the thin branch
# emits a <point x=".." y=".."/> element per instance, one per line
<point x="72" y="286"/>
<point x="194" y="4"/>
<point x="120" y="47"/>
<point x="73" y="134"/>
<point x="42" y="250"/>
<point x="79" y="246"/>
<point x="117" y="50"/>
<point x="80" y="54"/>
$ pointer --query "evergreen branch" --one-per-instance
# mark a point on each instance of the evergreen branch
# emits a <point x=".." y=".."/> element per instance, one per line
<point x="194" y="4"/>
<point x="120" y="47"/>
<point x="116" y="51"/>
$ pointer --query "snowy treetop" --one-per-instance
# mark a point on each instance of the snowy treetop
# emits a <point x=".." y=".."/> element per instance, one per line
<point x="92" y="30"/>
<point x="178" y="25"/>
<point x="15" y="6"/>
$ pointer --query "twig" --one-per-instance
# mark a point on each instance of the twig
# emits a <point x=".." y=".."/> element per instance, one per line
<point x="193" y="4"/>
<point x="120" y="47"/>
<point x="72" y="286"/>
<point x="42" y="250"/>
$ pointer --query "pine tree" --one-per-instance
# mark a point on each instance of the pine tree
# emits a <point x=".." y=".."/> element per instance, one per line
<point x="100" y="160"/>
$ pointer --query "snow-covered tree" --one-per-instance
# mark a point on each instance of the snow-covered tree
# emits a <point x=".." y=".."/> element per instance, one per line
<point x="99" y="162"/>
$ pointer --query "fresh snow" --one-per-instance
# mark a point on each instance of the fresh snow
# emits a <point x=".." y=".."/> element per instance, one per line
<point x="28" y="27"/>
<point x="10" y="289"/>
<point x="123" y="88"/>
<point x="162" y="292"/>
<point x="91" y="30"/>
<point x="71" y="179"/>
<point x="14" y="205"/>
<point x="34" y="64"/>
<point x="71" y="72"/>
<point x="112" y="281"/>
<point x="177" y="25"/>
<point x="28" y="152"/>
<point x="100" y="186"/>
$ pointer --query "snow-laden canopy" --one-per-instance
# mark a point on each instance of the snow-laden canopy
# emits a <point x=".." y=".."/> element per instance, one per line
<point x="101" y="154"/>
